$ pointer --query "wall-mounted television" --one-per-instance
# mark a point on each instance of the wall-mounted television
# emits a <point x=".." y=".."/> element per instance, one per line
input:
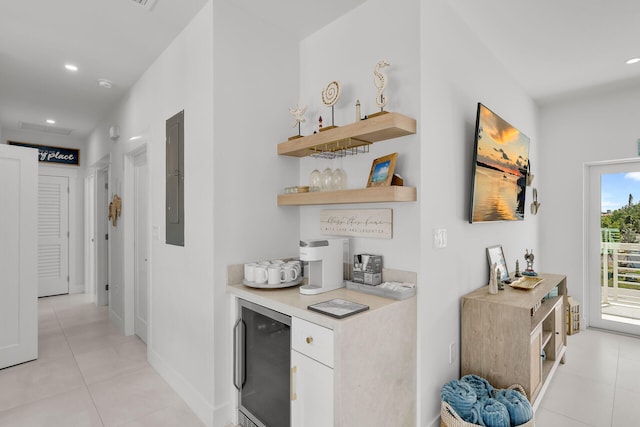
<point x="500" y="167"/>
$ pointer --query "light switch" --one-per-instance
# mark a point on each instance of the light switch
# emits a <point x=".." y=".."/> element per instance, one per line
<point x="440" y="238"/>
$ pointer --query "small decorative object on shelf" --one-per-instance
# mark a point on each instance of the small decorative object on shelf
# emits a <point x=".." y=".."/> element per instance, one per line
<point x="380" y="80"/>
<point x="320" y="123"/>
<point x="382" y="170"/>
<point x="528" y="256"/>
<point x="517" y="274"/>
<point x="315" y="180"/>
<point x="358" y="113"/>
<point x="330" y="96"/>
<point x="298" y="116"/>
<point x="493" y="279"/>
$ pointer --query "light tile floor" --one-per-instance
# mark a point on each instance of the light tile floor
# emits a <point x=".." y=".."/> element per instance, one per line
<point x="599" y="386"/>
<point x="87" y="374"/>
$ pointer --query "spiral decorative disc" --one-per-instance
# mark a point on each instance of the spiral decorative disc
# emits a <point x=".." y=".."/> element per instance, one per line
<point x="331" y="93"/>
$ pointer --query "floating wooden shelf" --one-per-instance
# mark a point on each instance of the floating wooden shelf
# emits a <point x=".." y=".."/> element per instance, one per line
<point x="361" y="195"/>
<point x="364" y="132"/>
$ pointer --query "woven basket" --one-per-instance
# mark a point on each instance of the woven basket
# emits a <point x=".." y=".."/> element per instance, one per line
<point x="449" y="418"/>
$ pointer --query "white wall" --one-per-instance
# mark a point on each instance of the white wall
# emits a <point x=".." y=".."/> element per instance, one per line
<point x="457" y="72"/>
<point x="594" y="126"/>
<point x="76" y="199"/>
<point x="347" y="50"/>
<point x="180" y="344"/>
<point x="255" y="82"/>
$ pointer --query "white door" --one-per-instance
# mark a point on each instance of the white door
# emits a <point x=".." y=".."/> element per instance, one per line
<point x="311" y="393"/>
<point x="53" y="235"/>
<point x="18" y="255"/>
<point x="102" y="236"/>
<point x="141" y="262"/>
<point x="613" y="257"/>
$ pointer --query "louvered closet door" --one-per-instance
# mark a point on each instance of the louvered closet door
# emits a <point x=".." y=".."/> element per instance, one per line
<point x="53" y="235"/>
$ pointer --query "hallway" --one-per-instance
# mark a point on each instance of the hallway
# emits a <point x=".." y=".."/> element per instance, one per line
<point x="87" y="374"/>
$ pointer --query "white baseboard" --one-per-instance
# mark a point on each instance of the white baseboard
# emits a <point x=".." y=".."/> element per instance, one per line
<point x="221" y="415"/>
<point x="198" y="404"/>
<point x="76" y="289"/>
<point x="116" y="320"/>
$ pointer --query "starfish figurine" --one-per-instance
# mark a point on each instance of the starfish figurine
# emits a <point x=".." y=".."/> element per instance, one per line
<point x="298" y="114"/>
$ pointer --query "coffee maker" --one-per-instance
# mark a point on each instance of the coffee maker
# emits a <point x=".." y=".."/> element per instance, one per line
<point x="327" y="259"/>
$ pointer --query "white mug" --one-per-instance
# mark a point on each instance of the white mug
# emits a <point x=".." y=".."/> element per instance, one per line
<point x="261" y="274"/>
<point x="277" y="262"/>
<point x="296" y="265"/>
<point x="249" y="271"/>
<point x="276" y="275"/>
<point x="290" y="273"/>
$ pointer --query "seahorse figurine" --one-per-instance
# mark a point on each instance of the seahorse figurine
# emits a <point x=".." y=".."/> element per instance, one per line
<point x="380" y="80"/>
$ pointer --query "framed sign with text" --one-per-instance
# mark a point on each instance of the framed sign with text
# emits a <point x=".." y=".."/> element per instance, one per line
<point x="49" y="154"/>
<point x="376" y="223"/>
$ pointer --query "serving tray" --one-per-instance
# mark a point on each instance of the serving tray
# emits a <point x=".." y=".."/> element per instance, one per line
<point x="268" y="286"/>
<point x="526" y="282"/>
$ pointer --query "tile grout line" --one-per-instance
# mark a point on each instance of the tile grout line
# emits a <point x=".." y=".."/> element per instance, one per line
<point x="615" y="387"/>
<point x="84" y="380"/>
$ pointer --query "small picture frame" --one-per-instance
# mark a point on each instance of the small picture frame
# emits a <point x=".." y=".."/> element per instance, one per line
<point x="382" y="171"/>
<point x="495" y="255"/>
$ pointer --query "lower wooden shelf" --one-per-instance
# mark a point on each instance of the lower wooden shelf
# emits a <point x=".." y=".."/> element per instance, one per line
<point x="361" y="195"/>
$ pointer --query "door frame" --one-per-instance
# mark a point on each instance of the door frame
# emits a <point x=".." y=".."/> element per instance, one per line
<point x="591" y="250"/>
<point x="75" y="231"/>
<point x="93" y="218"/>
<point x="128" y="221"/>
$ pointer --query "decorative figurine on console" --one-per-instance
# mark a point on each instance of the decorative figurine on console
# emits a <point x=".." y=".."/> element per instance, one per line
<point x="528" y="256"/>
<point x="517" y="274"/>
<point x="494" y="278"/>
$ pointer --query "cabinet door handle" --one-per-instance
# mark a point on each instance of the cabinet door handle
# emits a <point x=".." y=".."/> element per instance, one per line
<point x="239" y="360"/>
<point x="292" y="386"/>
<point x="309" y="340"/>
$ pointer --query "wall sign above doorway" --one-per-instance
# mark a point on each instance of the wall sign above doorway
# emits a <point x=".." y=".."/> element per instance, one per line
<point x="50" y="154"/>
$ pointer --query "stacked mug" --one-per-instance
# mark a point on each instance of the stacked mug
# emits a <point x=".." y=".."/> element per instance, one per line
<point x="274" y="272"/>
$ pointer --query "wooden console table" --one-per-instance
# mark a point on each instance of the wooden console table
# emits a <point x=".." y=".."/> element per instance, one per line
<point x="504" y="336"/>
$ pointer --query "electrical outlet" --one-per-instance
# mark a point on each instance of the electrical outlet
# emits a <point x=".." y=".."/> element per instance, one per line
<point x="453" y="353"/>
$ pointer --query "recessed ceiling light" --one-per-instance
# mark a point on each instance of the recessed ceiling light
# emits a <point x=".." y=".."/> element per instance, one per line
<point x="51" y="121"/>
<point x="107" y="84"/>
<point x="70" y="67"/>
<point x="633" y="61"/>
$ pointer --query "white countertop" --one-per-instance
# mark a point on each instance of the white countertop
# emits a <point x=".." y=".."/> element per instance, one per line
<point x="291" y="302"/>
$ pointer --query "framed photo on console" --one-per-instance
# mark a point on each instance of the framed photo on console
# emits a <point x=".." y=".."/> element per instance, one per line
<point x="382" y="171"/>
<point x="495" y="255"/>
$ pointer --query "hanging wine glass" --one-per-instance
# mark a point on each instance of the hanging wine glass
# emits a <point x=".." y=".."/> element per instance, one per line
<point x="339" y="177"/>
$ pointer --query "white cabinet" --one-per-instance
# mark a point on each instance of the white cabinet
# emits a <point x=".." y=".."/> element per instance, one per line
<point x="311" y="374"/>
<point x="356" y="371"/>
<point x="311" y="392"/>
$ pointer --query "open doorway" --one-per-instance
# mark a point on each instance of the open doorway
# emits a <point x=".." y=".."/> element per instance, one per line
<point x="613" y="236"/>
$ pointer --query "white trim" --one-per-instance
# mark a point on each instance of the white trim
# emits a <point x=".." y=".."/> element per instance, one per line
<point x="129" y="239"/>
<point x="203" y="409"/>
<point x="591" y="311"/>
<point x="115" y="319"/>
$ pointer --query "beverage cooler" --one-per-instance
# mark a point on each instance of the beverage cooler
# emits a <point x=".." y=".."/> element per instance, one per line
<point x="262" y="359"/>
